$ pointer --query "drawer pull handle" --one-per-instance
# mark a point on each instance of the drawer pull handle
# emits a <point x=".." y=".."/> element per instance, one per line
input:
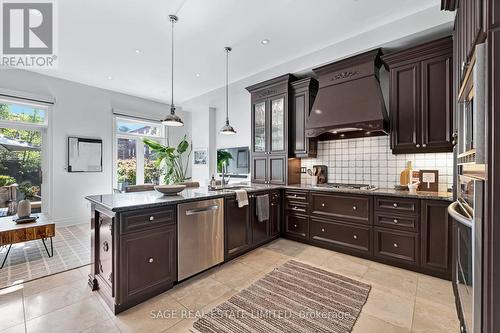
<point x="395" y="245"/>
<point x="395" y="205"/>
<point x="322" y="229"/>
<point x="395" y="221"/>
<point x="424" y="145"/>
<point x="151" y="260"/>
<point x="295" y="226"/>
<point x="355" y="236"/>
<point x="151" y="218"/>
<point x="354" y="208"/>
<point x="417" y="145"/>
<point x="322" y="205"/>
<point x="105" y="247"/>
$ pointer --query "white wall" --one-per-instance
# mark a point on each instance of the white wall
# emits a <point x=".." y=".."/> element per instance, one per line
<point x="203" y="124"/>
<point x="413" y="29"/>
<point x="86" y="111"/>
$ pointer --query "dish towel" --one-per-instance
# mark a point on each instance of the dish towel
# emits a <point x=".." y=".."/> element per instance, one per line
<point x="242" y="198"/>
<point x="262" y="207"/>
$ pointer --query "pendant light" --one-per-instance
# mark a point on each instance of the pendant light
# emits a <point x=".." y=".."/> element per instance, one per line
<point x="227" y="129"/>
<point x="172" y="119"/>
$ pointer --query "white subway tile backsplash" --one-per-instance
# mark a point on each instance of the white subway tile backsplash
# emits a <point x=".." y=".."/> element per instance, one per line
<point x="370" y="161"/>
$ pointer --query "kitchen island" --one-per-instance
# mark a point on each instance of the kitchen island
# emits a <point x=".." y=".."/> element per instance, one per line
<point x="136" y="247"/>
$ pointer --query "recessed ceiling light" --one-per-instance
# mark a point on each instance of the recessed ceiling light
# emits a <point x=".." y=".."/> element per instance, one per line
<point x="198" y="74"/>
<point x="110" y="78"/>
<point x="265" y="41"/>
<point x="138" y="51"/>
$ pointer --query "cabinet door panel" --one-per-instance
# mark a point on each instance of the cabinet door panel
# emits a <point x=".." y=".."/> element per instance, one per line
<point x="237" y="232"/>
<point x="259" y="127"/>
<point x="275" y="223"/>
<point x="277" y="120"/>
<point x="260" y="229"/>
<point x="436" y="103"/>
<point x="148" y="262"/>
<point x="435" y="237"/>
<point x="259" y="169"/>
<point x="405" y="106"/>
<point x="105" y="260"/>
<point x="277" y="170"/>
<point x="299" y="108"/>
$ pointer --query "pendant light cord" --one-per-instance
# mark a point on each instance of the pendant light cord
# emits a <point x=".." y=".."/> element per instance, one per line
<point x="227" y="84"/>
<point x="173" y="19"/>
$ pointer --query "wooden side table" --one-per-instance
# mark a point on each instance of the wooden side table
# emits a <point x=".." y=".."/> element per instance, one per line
<point x="12" y="233"/>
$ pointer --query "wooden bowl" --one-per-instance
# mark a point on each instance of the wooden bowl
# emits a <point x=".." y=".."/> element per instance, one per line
<point x="169" y="189"/>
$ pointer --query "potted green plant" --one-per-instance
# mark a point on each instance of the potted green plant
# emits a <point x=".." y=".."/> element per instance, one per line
<point x="171" y="160"/>
<point x="223" y="156"/>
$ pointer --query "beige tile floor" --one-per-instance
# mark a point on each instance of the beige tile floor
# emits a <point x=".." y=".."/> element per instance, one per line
<point x="400" y="300"/>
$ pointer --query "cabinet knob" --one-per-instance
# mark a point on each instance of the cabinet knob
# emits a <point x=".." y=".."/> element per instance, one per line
<point x="396" y="221"/>
<point x="354" y="208"/>
<point x="295" y="195"/>
<point x="395" y="205"/>
<point x="295" y="226"/>
<point x="151" y="218"/>
<point x="322" y="229"/>
<point x="355" y="236"/>
<point x="395" y="244"/>
<point x="272" y="203"/>
<point x="424" y="145"/>
<point x="322" y="205"/>
<point x="417" y="145"/>
<point x="151" y="260"/>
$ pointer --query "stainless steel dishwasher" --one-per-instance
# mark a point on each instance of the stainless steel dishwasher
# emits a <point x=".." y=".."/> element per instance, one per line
<point x="200" y="231"/>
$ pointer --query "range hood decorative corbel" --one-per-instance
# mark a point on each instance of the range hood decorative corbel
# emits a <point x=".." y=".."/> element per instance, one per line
<point x="349" y="102"/>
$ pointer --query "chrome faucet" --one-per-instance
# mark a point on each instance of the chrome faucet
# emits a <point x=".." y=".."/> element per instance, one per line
<point x="224" y="182"/>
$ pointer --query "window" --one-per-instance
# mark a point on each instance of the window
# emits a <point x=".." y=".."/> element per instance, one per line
<point x="135" y="162"/>
<point x="23" y="142"/>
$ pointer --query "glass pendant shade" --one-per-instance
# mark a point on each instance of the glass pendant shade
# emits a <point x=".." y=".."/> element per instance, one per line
<point x="172" y="119"/>
<point x="227" y="129"/>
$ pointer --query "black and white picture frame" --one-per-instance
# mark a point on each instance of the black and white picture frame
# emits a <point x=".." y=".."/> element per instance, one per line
<point x="200" y="156"/>
<point x="84" y="155"/>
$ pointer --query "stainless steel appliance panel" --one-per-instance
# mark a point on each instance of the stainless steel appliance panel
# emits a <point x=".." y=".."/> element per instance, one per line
<point x="200" y="236"/>
<point x="467" y="212"/>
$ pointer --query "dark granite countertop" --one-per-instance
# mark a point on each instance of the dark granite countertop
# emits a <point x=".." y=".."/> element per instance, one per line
<point x="446" y="196"/>
<point x="119" y="202"/>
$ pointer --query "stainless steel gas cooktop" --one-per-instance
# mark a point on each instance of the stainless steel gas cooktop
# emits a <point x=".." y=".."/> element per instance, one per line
<point x="364" y="187"/>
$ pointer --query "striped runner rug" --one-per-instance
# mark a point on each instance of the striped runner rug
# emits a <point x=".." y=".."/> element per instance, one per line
<point x="294" y="297"/>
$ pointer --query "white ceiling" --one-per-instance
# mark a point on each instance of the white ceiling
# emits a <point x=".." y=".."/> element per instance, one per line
<point x="98" y="38"/>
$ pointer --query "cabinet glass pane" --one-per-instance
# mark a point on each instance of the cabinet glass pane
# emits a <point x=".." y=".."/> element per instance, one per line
<point x="277" y="124"/>
<point x="260" y="127"/>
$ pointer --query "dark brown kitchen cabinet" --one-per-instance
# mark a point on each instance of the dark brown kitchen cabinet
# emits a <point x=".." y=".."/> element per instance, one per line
<point x="296" y="226"/>
<point x="260" y="229"/>
<point x="335" y="234"/>
<point x="104" y="252"/>
<point x="303" y="94"/>
<point x="420" y="98"/>
<point x="238" y="237"/>
<point x="276" y="211"/>
<point x="396" y="246"/>
<point x="435" y="238"/>
<point x="148" y="263"/>
<point x="270" y="110"/>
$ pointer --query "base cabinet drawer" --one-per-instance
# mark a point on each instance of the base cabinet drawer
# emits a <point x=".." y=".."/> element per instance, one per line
<point x="148" y="262"/>
<point x="399" y="222"/>
<point x="147" y="218"/>
<point x="344" y="207"/>
<point x="296" y="226"/>
<point x="398" y="246"/>
<point x="397" y="205"/>
<point x="341" y="234"/>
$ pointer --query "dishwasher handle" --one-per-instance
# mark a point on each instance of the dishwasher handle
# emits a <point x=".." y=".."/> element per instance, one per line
<point x="201" y="210"/>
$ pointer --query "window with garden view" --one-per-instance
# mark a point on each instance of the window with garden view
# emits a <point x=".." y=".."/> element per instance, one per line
<point x="21" y="131"/>
<point x="135" y="162"/>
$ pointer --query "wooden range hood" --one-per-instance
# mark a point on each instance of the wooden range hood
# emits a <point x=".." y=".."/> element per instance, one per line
<point x="349" y="103"/>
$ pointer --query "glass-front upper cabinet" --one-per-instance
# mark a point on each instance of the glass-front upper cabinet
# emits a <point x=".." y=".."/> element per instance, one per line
<point x="277" y="134"/>
<point x="259" y="144"/>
